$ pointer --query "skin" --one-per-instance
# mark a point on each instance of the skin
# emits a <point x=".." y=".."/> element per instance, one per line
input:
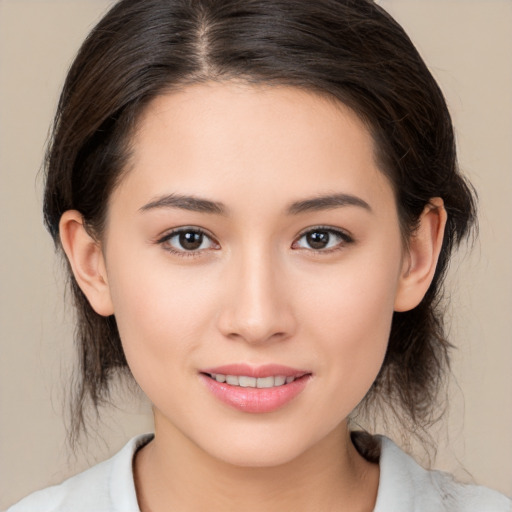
<point x="254" y="292"/>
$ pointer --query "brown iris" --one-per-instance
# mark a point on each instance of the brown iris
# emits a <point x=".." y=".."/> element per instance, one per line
<point x="190" y="240"/>
<point x="318" y="239"/>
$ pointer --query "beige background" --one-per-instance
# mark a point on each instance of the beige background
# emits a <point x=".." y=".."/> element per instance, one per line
<point x="468" y="46"/>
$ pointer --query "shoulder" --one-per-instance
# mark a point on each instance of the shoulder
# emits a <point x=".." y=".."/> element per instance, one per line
<point x="108" y="486"/>
<point x="404" y="486"/>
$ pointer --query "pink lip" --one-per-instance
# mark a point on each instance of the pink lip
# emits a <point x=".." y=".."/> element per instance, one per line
<point x="256" y="400"/>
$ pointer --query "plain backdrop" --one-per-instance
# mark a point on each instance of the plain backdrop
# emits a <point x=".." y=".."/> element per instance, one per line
<point x="467" y="45"/>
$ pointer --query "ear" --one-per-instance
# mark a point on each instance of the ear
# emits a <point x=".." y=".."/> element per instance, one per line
<point x="87" y="262"/>
<point x="421" y="259"/>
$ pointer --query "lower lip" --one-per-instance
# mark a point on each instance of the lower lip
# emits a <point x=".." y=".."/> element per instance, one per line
<point x="256" y="400"/>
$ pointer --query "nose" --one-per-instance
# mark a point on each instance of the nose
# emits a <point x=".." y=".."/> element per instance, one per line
<point x="256" y="307"/>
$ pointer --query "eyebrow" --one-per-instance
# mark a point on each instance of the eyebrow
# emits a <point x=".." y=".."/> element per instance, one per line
<point x="327" y="202"/>
<point x="192" y="203"/>
<point x="201" y="205"/>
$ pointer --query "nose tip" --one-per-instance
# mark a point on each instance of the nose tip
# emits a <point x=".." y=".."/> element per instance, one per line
<point x="255" y="326"/>
<point x="257" y="309"/>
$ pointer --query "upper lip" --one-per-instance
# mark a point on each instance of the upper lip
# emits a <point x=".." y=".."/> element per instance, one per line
<point x="266" y="370"/>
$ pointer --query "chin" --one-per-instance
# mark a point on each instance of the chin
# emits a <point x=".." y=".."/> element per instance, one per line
<point x="263" y="447"/>
<point x="257" y="456"/>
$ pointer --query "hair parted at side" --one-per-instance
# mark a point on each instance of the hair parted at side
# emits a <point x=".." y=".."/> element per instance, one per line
<point x="351" y="50"/>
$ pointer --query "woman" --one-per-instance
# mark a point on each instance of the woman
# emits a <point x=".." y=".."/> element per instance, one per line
<point x="257" y="201"/>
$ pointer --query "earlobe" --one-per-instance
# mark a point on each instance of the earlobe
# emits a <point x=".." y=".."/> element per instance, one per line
<point x="422" y="255"/>
<point x="87" y="262"/>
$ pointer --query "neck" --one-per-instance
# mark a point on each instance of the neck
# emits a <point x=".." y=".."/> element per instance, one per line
<point x="172" y="473"/>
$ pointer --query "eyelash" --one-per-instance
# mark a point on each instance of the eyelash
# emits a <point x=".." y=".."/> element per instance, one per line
<point x="183" y="252"/>
<point x="345" y="239"/>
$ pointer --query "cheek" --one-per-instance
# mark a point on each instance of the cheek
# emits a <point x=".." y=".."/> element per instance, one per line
<point x="350" y="317"/>
<point x="356" y="324"/>
<point x="161" y="316"/>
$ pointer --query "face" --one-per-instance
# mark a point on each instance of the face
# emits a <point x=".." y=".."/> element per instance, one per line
<point x="252" y="240"/>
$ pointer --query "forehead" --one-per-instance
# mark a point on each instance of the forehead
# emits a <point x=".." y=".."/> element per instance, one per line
<point x="235" y="142"/>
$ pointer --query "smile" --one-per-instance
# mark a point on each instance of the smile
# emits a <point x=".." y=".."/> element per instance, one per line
<point x="261" y="389"/>
<point x="245" y="381"/>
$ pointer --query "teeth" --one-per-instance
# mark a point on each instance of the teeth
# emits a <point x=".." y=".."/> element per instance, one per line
<point x="252" y="382"/>
<point x="232" y="379"/>
<point x="266" y="382"/>
<point x="279" y="381"/>
<point x="246" y="382"/>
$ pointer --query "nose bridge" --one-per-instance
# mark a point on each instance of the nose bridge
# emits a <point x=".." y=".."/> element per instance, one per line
<point x="257" y="308"/>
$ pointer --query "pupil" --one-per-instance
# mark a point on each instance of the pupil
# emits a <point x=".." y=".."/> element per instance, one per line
<point x="318" y="239"/>
<point x="190" y="240"/>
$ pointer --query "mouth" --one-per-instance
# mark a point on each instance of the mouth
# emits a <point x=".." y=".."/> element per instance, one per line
<point x="245" y="381"/>
<point x="255" y="389"/>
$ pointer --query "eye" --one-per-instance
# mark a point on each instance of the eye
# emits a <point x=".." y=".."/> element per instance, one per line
<point x="322" y="239"/>
<point x="187" y="240"/>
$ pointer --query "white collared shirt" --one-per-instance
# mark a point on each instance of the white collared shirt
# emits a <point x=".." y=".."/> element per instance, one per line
<point x="404" y="486"/>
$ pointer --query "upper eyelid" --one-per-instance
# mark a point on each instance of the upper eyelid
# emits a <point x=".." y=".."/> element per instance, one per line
<point x="346" y="239"/>
<point x="164" y="242"/>
<point x="176" y="231"/>
<point x="331" y="229"/>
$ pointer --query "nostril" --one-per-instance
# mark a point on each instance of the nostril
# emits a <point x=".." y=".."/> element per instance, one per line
<point x="256" y="314"/>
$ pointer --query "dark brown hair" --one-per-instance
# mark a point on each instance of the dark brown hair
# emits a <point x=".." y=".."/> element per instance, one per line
<point x="351" y="50"/>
